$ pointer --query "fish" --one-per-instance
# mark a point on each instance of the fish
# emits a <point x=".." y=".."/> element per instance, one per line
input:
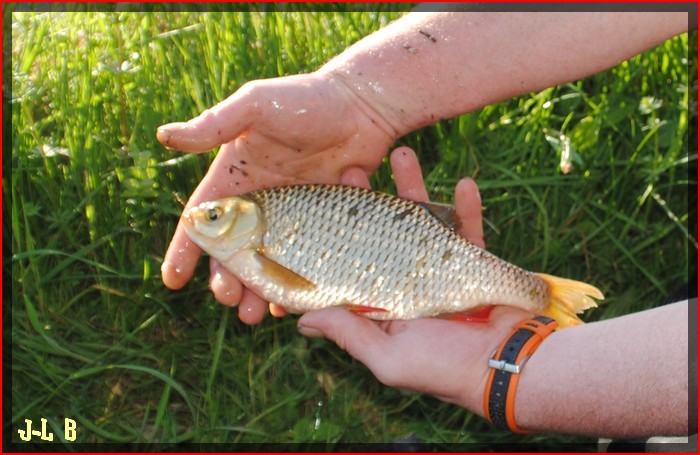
<point x="311" y="246"/>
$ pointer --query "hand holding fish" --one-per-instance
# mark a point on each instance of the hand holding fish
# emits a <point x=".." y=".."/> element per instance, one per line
<point x="450" y="360"/>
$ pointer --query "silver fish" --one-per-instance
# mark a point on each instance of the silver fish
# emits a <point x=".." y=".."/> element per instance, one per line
<point x="306" y="247"/>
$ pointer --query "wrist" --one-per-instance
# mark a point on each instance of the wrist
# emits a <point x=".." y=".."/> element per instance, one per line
<point x="527" y="402"/>
<point x="370" y="98"/>
<point x="473" y="385"/>
<point x="507" y="364"/>
<point x="406" y="72"/>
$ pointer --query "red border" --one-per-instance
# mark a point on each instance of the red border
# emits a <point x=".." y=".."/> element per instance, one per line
<point x="3" y="2"/>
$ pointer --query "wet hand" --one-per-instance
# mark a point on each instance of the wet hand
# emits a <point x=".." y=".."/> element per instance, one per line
<point x="296" y="129"/>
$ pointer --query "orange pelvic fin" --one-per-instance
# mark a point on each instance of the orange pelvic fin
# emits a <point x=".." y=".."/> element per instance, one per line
<point x="363" y="309"/>
<point x="478" y="314"/>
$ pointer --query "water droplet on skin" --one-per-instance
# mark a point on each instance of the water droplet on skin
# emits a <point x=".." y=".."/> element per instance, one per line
<point x="376" y="87"/>
<point x="181" y="251"/>
<point x="178" y="269"/>
<point x="300" y="111"/>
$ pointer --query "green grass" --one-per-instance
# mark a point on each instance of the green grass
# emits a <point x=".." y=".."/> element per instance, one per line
<point x="90" y="200"/>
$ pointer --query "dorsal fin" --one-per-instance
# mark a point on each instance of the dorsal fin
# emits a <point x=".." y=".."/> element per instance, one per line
<point x="446" y="213"/>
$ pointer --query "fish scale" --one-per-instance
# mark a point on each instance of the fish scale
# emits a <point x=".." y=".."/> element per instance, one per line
<point x="393" y="240"/>
<point x="306" y="247"/>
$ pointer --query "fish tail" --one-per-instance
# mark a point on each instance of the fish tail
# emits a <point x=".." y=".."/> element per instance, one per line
<point x="567" y="298"/>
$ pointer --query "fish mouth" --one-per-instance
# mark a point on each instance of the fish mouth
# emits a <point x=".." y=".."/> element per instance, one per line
<point x="188" y="216"/>
<point x="188" y="220"/>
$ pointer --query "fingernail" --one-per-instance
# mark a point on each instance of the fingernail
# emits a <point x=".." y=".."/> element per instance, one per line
<point x="309" y="331"/>
<point x="173" y="126"/>
<point x="163" y="135"/>
<point x="165" y="132"/>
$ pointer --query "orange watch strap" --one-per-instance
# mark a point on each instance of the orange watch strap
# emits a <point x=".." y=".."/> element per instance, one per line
<point x="506" y="363"/>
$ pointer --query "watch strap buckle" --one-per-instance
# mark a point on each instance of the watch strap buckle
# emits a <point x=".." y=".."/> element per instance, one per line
<point x="502" y="365"/>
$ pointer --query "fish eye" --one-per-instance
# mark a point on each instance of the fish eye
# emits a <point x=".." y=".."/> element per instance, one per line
<point x="213" y="214"/>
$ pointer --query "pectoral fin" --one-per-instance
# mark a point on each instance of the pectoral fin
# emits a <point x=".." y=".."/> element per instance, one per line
<point x="281" y="275"/>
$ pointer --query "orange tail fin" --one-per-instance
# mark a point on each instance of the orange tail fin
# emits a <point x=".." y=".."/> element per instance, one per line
<point x="567" y="298"/>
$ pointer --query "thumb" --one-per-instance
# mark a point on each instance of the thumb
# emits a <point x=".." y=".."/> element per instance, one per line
<point x="362" y="338"/>
<point x="213" y="127"/>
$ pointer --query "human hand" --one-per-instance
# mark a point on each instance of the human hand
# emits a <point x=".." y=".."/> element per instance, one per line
<point x="296" y="129"/>
<point x="447" y="359"/>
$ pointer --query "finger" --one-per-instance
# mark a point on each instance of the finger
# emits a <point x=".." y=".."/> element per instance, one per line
<point x="213" y="127"/>
<point x="226" y="287"/>
<point x="468" y="208"/>
<point x="362" y="338"/>
<point x="180" y="260"/>
<point x="408" y="175"/>
<point x="277" y="311"/>
<point x="252" y="308"/>
<point x="354" y="176"/>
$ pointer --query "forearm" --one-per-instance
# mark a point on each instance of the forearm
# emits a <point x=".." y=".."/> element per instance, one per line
<point x="431" y="66"/>
<point x="626" y="377"/>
